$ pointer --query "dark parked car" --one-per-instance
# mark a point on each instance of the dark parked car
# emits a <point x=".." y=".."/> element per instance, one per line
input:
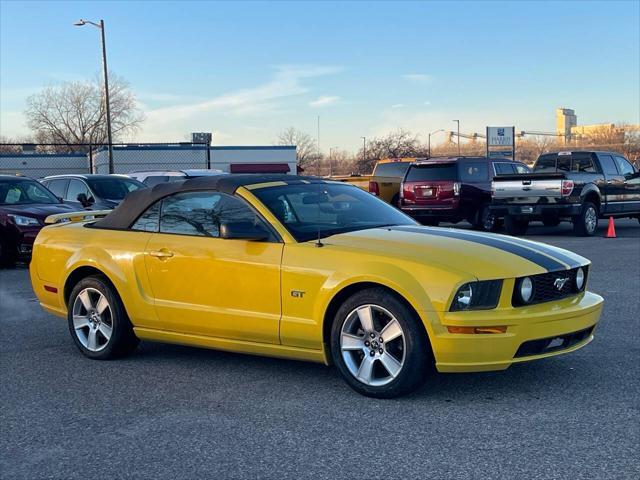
<point x="579" y="186"/>
<point x="24" y="204"/>
<point x="452" y="189"/>
<point x="98" y="192"/>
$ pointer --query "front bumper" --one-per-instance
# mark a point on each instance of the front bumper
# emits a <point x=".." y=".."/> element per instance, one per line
<point x="536" y="210"/>
<point x="557" y="327"/>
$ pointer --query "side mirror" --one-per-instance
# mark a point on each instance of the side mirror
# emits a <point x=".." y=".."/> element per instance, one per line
<point x="243" y="231"/>
<point x="86" y="202"/>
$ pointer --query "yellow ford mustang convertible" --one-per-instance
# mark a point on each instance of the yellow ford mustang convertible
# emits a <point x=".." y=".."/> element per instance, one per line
<point x="301" y="268"/>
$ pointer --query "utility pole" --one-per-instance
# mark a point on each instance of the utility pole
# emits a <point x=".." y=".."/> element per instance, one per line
<point x="107" y="105"/>
<point x="458" y="122"/>
<point x="429" y="143"/>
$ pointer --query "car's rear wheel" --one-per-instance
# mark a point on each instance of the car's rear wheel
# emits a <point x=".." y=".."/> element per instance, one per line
<point x="585" y="223"/>
<point x="98" y="321"/>
<point x="486" y="220"/>
<point x="379" y="345"/>
<point x="515" y="226"/>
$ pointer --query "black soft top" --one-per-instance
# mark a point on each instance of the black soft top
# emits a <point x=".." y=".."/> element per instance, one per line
<point x="137" y="202"/>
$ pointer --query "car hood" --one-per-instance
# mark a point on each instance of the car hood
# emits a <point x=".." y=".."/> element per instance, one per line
<point x="37" y="210"/>
<point x="482" y="255"/>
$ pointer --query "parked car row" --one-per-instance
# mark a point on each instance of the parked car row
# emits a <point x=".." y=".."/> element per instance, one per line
<point x="579" y="187"/>
<point x="25" y="203"/>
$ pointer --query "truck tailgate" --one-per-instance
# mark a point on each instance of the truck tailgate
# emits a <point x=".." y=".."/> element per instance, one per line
<point x="527" y="185"/>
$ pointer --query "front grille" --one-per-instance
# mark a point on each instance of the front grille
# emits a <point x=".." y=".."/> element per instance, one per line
<point x="545" y="287"/>
<point x="552" y="344"/>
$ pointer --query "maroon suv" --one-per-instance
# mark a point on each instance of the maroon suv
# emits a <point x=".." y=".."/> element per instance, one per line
<point x="24" y="204"/>
<point x="452" y="189"/>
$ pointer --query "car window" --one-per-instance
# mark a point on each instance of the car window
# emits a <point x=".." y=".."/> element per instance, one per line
<point x="564" y="163"/>
<point x="624" y="166"/>
<point x="503" y="168"/>
<point x="433" y="171"/>
<point x="391" y="169"/>
<point x="608" y="165"/>
<point x="521" y="168"/>
<point x="24" y="192"/>
<point x="321" y="210"/>
<point x="201" y="213"/>
<point x="474" y="171"/>
<point x="149" y="221"/>
<point x="582" y="162"/>
<point x="76" y="187"/>
<point x="114" y="188"/>
<point x="546" y="163"/>
<point x="58" y="186"/>
<point x="153" y="180"/>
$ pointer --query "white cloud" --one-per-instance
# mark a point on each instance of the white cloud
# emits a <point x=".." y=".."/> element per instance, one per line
<point x="287" y="81"/>
<point x="398" y="105"/>
<point x="324" y="101"/>
<point x="418" y="77"/>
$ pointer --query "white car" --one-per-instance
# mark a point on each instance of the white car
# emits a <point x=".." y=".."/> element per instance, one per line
<point x="154" y="177"/>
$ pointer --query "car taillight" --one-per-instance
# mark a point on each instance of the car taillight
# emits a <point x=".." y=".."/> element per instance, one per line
<point x="374" y="188"/>
<point x="566" y="188"/>
<point x="408" y="195"/>
<point x="456" y="188"/>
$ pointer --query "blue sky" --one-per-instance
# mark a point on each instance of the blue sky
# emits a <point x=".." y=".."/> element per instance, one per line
<point x="247" y="70"/>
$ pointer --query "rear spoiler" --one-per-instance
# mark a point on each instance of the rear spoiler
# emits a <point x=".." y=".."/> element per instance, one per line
<point x="80" y="216"/>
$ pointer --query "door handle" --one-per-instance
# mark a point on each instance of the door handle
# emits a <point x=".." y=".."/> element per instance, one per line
<point x="162" y="253"/>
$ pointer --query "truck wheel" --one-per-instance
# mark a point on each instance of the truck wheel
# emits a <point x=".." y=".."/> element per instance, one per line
<point x="485" y="220"/>
<point x="379" y="345"/>
<point x="515" y="226"/>
<point x="551" y="221"/>
<point x="585" y="223"/>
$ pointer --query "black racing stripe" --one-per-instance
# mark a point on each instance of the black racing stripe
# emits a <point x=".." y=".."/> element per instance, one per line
<point x="535" y="257"/>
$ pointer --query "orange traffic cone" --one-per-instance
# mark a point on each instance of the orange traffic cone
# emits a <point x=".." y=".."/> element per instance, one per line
<point x="611" y="229"/>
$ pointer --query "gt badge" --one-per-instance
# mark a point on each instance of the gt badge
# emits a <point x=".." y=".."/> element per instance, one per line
<point x="560" y="282"/>
<point x="297" y="293"/>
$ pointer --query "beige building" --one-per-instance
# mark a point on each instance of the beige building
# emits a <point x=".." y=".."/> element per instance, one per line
<point x="567" y="127"/>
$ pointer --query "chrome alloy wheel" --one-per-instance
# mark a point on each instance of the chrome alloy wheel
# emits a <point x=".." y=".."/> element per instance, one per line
<point x="373" y="345"/>
<point x="92" y="319"/>
<point x="590" y="219"/>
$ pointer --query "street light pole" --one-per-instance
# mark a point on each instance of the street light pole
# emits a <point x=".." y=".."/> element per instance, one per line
<point x="318" y="160"/>
<point x="429" y="143"/>
<point x="364" y="149"/>
<point x="100" y="25"/>
<point x="458" y="122"/>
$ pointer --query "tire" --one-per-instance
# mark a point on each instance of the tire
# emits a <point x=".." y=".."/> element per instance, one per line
<point x="551" y="221"/>
<point x="514" y="226"/>
<point x="407" y="354"/>
<point x="99" y="334"/>
<point x="585" y="223"/>
<point x="485" y="220"/>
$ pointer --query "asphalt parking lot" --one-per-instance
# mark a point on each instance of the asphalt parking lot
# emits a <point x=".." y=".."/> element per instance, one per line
<point x="177" y="412"/>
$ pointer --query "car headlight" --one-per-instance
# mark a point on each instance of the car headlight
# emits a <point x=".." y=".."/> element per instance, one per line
<point x="482" y="295"/>
<point x="24" y="221"/>
<point x="525" y="289"/>
<point x="580" y="279"/>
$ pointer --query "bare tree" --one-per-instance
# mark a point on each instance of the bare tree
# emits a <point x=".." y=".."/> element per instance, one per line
<point x="74" y="112"/>
<point x="305" y="145"/>
<point x="398" y="144"/>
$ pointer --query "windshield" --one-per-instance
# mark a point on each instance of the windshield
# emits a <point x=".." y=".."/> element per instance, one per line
<point x="24" y="192"/>
<point x="114" y="188"/>
<point x="320" y="210"/>
<point x="433" y="171"/>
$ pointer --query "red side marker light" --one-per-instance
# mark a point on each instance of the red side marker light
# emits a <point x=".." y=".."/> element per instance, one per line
<point x="51" y="289"/>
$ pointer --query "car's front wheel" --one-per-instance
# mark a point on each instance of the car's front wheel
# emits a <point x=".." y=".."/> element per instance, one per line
<point x="98" y="321"/>
<point x="379" y="345"/>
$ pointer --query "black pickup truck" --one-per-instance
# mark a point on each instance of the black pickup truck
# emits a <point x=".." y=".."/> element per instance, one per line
<point x="579" y="186"/>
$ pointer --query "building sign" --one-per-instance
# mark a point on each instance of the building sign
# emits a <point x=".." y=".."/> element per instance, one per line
<point x="501" y="142"/>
